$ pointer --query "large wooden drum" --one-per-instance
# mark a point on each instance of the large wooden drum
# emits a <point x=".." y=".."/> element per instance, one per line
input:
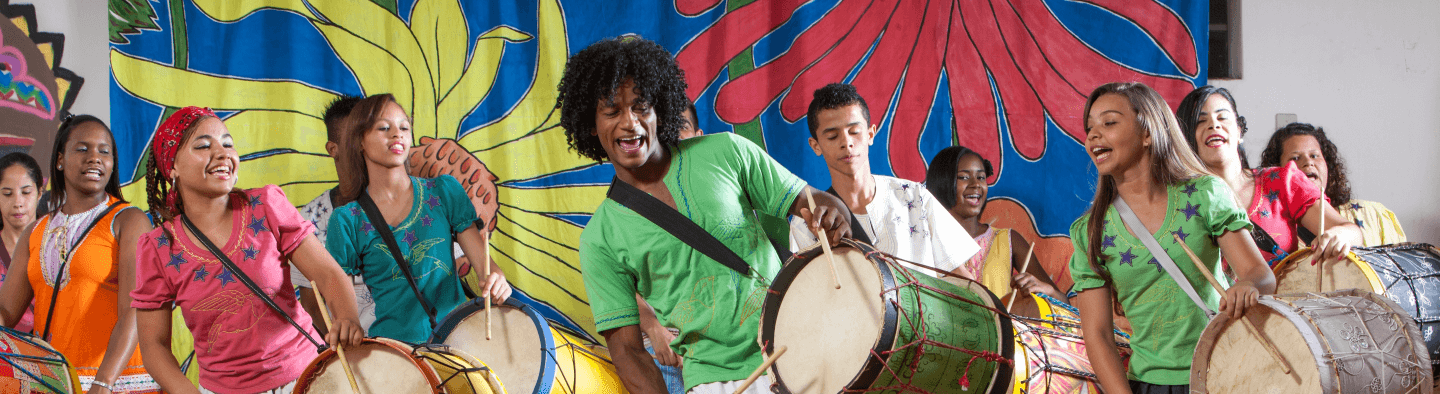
<point x="1348" y="341"/>
<point x="29" y="365"/>
<point x="1050" y="350"/>
<point x="1407" y="273"/>
<point x="887" y="329"/>
<point x="383" y="365"/>
<point x="530" y="354"/>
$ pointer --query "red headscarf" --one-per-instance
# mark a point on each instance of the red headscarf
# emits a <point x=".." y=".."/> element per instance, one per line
<point x="167" y="141"/>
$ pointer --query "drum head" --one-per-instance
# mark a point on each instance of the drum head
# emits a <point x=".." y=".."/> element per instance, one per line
<point x="380" y="366"/>
<point x="513" y="351"/>
<point x="1296" y="274"/>
<point x="829" y="332"/>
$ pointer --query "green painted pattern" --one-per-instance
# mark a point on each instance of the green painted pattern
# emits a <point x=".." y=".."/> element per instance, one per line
<point x="945" y="320"/>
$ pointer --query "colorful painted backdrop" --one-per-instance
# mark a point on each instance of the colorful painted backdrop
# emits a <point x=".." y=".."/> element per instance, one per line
<point x="1007" y="78"/>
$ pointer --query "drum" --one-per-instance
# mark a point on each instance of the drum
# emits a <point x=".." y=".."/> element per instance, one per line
<point x="1407" y="273"/>
<point x="1050" y="350"/>
<point x="383" y="365"/>
<point x="1348" y="341"/>
<point x="531" y="354"/>
<point x="887" y="328"/>
<point x="31" y="365"/>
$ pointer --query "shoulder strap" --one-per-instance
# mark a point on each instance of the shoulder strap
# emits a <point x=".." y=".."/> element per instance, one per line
<point x="676" y="224"/>
<point x="245" y="279"/>
<point x="70" y="253"/>
<point x="857" y="230"/>
<point x="1138" y="228"/>
<point x="378" y="221"/>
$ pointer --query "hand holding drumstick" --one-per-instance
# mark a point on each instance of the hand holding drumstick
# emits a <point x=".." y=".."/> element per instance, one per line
<point x="339" y="348"/>
<point x="1239" y="299"/>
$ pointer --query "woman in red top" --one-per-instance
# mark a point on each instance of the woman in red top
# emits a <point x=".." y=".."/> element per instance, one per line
<point x="1279" y="200"/>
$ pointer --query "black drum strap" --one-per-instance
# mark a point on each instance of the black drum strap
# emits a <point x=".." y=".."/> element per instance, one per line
<point x="676" y="224"/>
<point x="381" y="226"/>
<point x="1265" y="242"/>
<point x="245" y="280"/>
<point x="60" y="274"/>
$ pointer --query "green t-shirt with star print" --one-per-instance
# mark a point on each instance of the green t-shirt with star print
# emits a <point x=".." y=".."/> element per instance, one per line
<point x="1167" y="323"/>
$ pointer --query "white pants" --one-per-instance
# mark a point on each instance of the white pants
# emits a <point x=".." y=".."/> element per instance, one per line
<point x="286" y="389"/>
<point x="761" y="386"/>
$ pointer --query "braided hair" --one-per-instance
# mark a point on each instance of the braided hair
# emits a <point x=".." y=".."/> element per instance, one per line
<point x="157" y="187"/>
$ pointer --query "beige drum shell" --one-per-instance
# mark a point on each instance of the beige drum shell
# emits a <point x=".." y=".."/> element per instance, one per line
<point x="1230" y="360"/>
<point x="853" y="311"/>
<point x="380" y="365"/>
<point x="1296" y="274"/>
<point x="514" y="350"/>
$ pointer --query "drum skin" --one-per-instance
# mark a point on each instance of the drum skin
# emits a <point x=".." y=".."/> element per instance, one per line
<point x="55" y="372"/>
<point x="518" y="333"/>
<point x="1348" y="341"/>
<point x="380" y="365"/>
<point x="1407" y="273"/>
<point x="863" y="337"/>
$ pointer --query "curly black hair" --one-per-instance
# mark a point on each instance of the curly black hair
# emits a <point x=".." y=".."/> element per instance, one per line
<point x="1188" y="114"/>
<point x="1337" y="188"/>
<point x="336" y="112"/>
<point x="833" y="96"/>
<point x="597" y="71"/>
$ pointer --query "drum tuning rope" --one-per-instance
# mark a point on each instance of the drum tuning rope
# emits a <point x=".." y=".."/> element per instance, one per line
<point x="339" y="350"/>
<point x="824" y="240"/>
<point x="1245" y="321"/>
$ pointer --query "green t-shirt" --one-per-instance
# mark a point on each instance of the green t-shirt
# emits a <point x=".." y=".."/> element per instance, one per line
<point x="1167" y="323"/>
<point x="718" y="181"/>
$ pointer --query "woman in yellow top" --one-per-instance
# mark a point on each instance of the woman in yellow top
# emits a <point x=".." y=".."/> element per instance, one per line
<point x="957" y="179"/>
<point x="86" y="244"/>
<point x="1317" y="157"/>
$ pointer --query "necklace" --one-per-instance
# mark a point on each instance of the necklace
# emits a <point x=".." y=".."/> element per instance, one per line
<point x="59" y="236"/>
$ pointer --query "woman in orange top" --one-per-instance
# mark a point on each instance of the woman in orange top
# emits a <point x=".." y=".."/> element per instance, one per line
<point x="89" y="318"/>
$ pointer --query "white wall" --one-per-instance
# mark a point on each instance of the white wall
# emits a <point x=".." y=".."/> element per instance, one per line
<point x="86" y="26"/>
<point x="1369" y="73"/>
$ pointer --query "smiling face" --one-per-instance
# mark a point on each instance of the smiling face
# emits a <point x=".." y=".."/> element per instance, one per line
<point x="1217" y="133"/>
<point x="971" y="191"/>
<point x="627" y="129"/>
<point x="1305" y="151"/>
<point x="206" y="163"/>
<point x="18" y="196"/>
<point x="1113" y="135"/>
<point x="87" y="159"/>
<point x="387" y="142"/>
<point x="843" y="138"/>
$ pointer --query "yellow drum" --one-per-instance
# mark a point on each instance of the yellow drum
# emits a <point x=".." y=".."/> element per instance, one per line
<point x="531" y="354"/>
<point x="1050" y="350"/>
<point x="383" y="365"/>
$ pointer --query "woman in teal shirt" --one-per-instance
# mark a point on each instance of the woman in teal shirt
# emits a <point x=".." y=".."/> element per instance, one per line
<point x="425" y="216"/>
<point x="1136" y="146"/>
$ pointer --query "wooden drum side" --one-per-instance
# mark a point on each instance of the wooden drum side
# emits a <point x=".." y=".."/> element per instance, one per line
<point x="1230" y="360"/>
<point x="1295" y="274"/>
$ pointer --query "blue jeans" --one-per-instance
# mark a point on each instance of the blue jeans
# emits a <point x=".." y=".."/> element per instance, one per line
<point x="673" y="383"/>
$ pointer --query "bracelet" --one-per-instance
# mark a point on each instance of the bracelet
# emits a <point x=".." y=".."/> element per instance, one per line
<point x="107" y="386"/>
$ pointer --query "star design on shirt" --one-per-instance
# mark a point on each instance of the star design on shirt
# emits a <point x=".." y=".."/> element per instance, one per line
<point x="410" y="237"/>
<point x="1354" y="206"/>
<point x="162" y="240"/>
<point x="255" y="201"/>
<point x="433" y="201"/>
<point x="1191" y="210"/>
<point x="176" y="260"/>
<point x="201" y="273"/>
<point x="354" y="211"/>
<point x="250" y="252"/>
<point x="257" y="225"/>
<point x="1190" y="189"/>
<point x="1128" y="258"/>
<point x="1265" y="213"/>
<point x="426" y="220"/>
<point x="1108" y="242"/>
<point x="914" y="229"/>
<point x="1272" y="196"/>
<point x="1274" y="175"/>
<point x="225" y="277"/>
<point x="1181" y="233"/>
<point x="367" y="228"/>
<point x="1156" y="263"/>
<point x="1360" y="223"/>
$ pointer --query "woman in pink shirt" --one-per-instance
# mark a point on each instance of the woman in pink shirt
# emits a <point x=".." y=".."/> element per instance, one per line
<point x="1279" y="200"/>
<point x="242" y="343"/>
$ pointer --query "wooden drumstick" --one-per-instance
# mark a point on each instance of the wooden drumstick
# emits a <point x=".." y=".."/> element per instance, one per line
<point x="763" y="366"/>
<point x="1315" y="254"/>
<point x="1249" y="326"/>
<point x="485" y="238"/>
<point x="340" y="350"/>
<point x="824" y="241"/>
<point x="1023" y="267"/>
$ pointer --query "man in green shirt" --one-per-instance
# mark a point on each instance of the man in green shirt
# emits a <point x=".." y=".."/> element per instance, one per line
<point x="623" y="100"/>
